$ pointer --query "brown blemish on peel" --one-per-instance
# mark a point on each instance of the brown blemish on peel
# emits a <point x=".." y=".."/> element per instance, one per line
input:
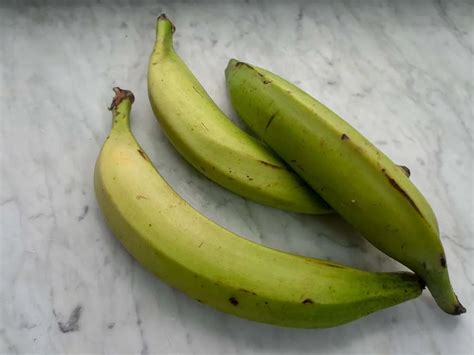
<point x="238" y="64"/>
<point x="270" y="164"/>
<point x="247" y="291"/>
<point x="199" y="93"/>
<point x="405" y="169"/>
<point x="442" y="261"/>
<point x="345" y="137"/>
<point x="233" y="301"/>
<point x="403" y="192"/>
<point x="308" y="301"/>
<point x="143" y="154"/>
<point x="141" y="197"/>
<point x="325" y="263"/>
<point x="330" y="264"/>
<point x="270" y="121"/>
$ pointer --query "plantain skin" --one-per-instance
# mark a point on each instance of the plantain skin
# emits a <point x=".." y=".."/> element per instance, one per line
<point x="217" y="267"/>
<point x="209" y="140"/>
<point x="360" y="182"/>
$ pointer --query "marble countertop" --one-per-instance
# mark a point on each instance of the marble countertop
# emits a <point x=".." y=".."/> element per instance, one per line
<point x="400" y="73"/>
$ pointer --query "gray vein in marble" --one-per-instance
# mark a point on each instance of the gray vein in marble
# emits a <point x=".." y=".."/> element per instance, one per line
<point x="451" y="25"/>
<point x="72" y="324"/>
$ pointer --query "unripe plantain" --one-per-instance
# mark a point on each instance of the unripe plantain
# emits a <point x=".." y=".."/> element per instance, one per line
<point x="351" y="174"/>
<point x="209" y="140"/>
<point x="216" y="267"/>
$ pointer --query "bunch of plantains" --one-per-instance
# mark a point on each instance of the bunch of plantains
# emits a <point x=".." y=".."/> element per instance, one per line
<point x="310" y="161"/>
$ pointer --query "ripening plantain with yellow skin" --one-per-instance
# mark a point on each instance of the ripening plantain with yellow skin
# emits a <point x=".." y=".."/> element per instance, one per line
<point x="361" y="183"/>
<point x="217" y="267"/>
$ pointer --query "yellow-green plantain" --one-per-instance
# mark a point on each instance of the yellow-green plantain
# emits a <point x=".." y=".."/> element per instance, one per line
<point x="209" y="140"/>
<point x="213" y="265"/>
<point x="350" y="173"/>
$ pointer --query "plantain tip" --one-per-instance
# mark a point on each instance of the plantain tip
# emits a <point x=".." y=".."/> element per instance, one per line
<point x="120" y="95"/>
<point x="163" y="18"/>
<point x="233" y="64"/>
<point x="459" y="308"/>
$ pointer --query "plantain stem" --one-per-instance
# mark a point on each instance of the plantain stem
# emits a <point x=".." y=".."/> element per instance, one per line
<point x="121" y="106"/>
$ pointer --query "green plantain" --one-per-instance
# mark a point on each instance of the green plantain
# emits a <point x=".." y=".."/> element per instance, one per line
<point x="361" y="183"/>
<point x="209" y="140"/>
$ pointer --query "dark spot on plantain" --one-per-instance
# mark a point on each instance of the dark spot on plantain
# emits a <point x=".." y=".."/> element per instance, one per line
<point x="308" y="301"/>
<point x="141" y="197"/>
<point x="403" y="192"/>
<point x="324" y="262"/>
<point x="247" y="291"/>
<point x="442" y="261"/>
<point x="199" y="93"/>
<point x="266" y="81"/>
<point x="405" y="170"/>
<point x="270" y="164"/>
<point x="143" y="154"/>
<point x="233" y="301"/>
<point x="345" y="137"/>
<point x="330" y="264"/>
<point x="270" y="120"/>
<point x="238" y="64"/>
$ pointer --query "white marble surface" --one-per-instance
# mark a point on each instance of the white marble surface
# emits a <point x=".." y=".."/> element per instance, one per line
<point x="400" y="72"/>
